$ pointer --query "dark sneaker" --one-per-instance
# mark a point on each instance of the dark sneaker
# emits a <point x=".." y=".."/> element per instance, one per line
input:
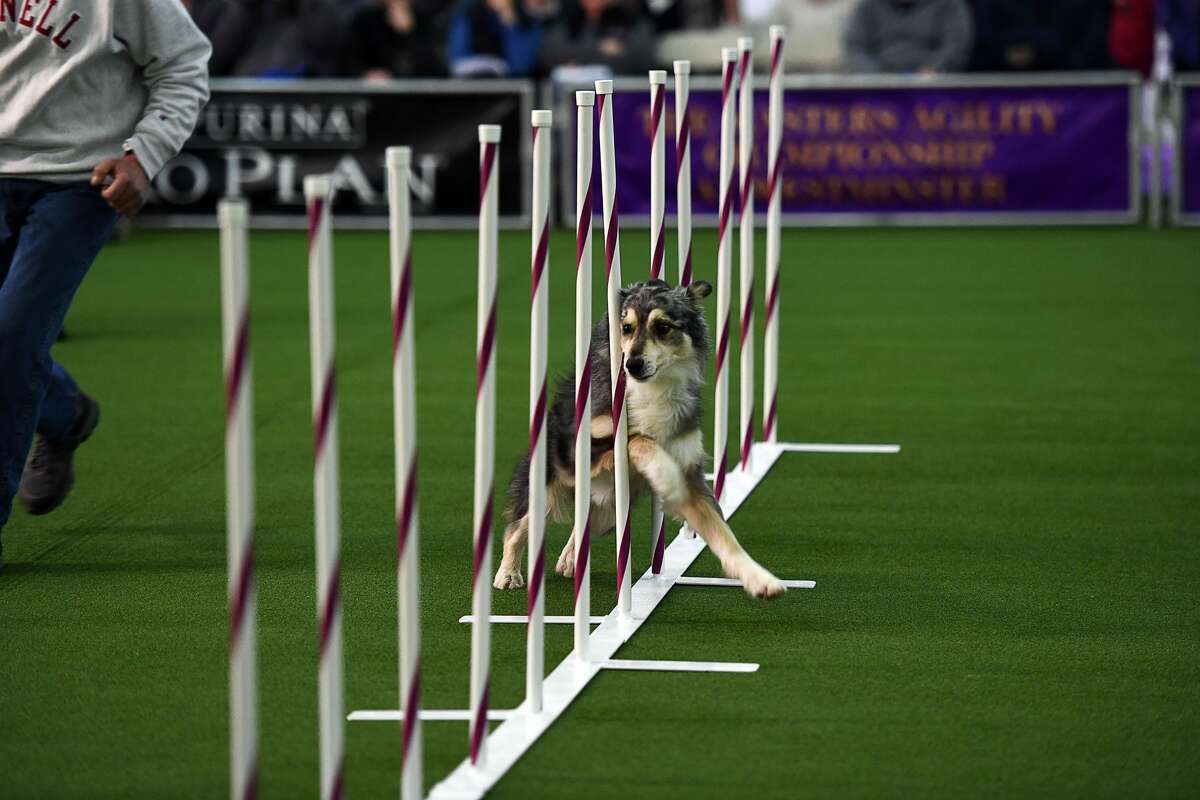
<point x="49" y="473"/>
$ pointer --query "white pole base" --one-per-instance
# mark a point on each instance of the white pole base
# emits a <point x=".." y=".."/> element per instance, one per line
<point x="523" y="619"/>
<point x="678" y="666"/>
<point x="687" y="580"/>
<point x="427" y="715"/>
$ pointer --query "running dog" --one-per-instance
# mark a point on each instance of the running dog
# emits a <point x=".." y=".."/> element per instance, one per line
<point x="664" y="340"/>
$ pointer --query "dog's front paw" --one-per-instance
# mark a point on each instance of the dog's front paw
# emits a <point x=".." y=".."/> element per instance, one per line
<point x="508" y="578"/>
<point x="757" y="581"/>
<point x="642" y="449"/>
<point x="604" y="463"/>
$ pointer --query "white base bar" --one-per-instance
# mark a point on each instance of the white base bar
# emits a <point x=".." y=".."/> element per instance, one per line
<point x="427" y="715"/>
<point x="838" y="448"/>
<point x="522" y="619"/>
<point x="698" y="581"/>
<point x="679" y="666"/>
<point x="512" y="738"/>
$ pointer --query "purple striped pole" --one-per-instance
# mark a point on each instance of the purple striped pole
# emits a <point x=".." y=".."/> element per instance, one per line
<point x="612" y="263"/>
<point x="774" y="209"/>
<point x="683" y="171"/>
<point x="582" y="535"/>
<point x="746" y="240"/>
<point x="658" y="232"/>
<point x="539" y="326"/>
<point x="239" y="504"/>
<point x="404" y="404"/>
<point x="485" y="439"/>
<point x="683" y="186"/>
<point x="318" y="193"/>
<point x="724" y="276"/>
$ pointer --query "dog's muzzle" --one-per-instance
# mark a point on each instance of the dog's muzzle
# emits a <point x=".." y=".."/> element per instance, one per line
<point x="637" y="369"/>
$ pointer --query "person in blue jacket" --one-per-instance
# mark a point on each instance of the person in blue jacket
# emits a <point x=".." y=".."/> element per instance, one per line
<point x="495" y="38"/>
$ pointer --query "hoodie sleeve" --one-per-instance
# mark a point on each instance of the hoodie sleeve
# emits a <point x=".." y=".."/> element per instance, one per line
<point x="173" y="56"/>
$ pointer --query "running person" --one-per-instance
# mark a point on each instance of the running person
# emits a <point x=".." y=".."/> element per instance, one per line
<point x="96" y="96"/>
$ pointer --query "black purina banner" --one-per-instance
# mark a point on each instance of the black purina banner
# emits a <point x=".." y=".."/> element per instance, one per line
<point x="258" y="139"/>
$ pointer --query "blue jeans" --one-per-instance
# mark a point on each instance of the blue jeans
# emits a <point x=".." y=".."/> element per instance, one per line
<point x="49" y="235"/>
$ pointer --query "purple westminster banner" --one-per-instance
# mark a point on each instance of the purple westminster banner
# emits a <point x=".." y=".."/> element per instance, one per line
<point x="979" y="150"/>
<point x="1189" y="152"/>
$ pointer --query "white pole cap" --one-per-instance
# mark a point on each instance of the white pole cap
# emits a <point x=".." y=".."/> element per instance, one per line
<point x="317" y="187"/>
<point x="729" y="55"/>
<point x="658" y="77"/>
<point x="398" y="156"/>
<point x="585" y="98"/>
<point x="745" y="43"/>
<point x="683" y="67"/>
<point x="233" y="211"/>
<point x="603" y="87"/>
<point x="489" y="134"/>
<point x="541" y="118"/>
<point x="778" y="32"/>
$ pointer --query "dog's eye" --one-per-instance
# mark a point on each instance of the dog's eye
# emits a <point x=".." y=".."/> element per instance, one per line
<point x="663" y="329"/>
<point x="627" y="329"/>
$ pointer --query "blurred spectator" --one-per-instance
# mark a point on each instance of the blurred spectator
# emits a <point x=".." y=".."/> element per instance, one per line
<point x="390" y="39"/>
<point x="926" y="36"/>
<point x="496" y="37"/>
<point x="1181" y="20"/>
<point x="229" y="26"/>
<point x="1036" y="35"/>
<point x="1131" y="34"/>
<point x="695" y="30"/>
<point x="676" y="15"/>
<point x="612" y="33"/>
<point x="815" y="30"/>
<point x="270" y="38"/>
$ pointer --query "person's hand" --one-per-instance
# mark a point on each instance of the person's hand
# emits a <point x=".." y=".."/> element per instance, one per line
<point x="1020" y="56"/>
<point x="126" y="191"/>
<point x="505" y="10"/>
<point x="377" y="74"/>
<point x="611" y="47"/>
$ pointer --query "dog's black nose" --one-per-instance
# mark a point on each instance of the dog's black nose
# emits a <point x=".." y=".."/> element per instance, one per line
<point x="636" y="366"/>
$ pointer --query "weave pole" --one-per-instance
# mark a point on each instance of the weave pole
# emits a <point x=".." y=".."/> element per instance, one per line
<point x="612" y="264"/>
<point x="683" y="172"/>
<point x="774" y="206"/>
<point x="318" y="192"/>
<point x="746" y="241"/>
<point x="658" y="229"/>
<point x="582" y="536"/>
<point x="404" y="405"/>
<point x="485" y="439"/>
<point x="726" y="192"/>
<point x="539" y="326"/>
<point x="239" y="504"/>
<point x="683" y="185"/>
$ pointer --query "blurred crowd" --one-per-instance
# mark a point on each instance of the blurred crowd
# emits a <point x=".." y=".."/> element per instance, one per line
<point x="384" y="39"/>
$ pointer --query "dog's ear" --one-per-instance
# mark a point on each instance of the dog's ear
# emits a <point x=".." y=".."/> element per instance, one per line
<point x="699" y="290"/>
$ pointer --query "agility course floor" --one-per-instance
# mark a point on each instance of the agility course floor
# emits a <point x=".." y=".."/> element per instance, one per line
<point x="1008" y="607"/>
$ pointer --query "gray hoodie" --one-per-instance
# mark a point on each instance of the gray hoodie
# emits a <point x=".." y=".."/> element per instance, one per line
<point x="899" y="36"/>
<point x="85" y="80"/>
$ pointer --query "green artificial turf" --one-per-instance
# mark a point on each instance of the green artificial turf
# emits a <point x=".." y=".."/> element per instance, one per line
<point x="1007" y="608"/>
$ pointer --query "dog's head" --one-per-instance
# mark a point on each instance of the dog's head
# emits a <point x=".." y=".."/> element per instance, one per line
<point x="663" y="328"/>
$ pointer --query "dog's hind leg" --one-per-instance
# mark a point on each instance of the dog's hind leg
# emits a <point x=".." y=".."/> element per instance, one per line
<point x="600" y="522"/>
<point x="566" y="559"/>
<point x="508" y="576"/>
